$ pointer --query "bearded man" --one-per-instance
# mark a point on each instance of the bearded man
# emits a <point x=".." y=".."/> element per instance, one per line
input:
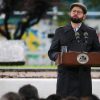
<point x="76" y="36"/>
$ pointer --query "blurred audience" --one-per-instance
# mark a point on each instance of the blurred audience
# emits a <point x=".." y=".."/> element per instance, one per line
<point x="54" y="97"/>
<point x="42" y="98"/>
<point x="94" y="97"/>
<point x="71" y="98"/>
<point x="10" y="96"/>
<point x="28" y="92"/>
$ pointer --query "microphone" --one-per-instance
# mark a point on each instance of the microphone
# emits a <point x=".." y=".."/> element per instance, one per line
<point x="85" y="36"/>
<point x="77" y="35"/>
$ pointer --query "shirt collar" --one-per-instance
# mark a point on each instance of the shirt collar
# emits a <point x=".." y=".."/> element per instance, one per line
<point x="77" y="28"/>
<point x="68" y="27"/>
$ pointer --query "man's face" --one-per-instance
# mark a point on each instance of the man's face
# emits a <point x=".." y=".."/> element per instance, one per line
<point x="77" y="15"/>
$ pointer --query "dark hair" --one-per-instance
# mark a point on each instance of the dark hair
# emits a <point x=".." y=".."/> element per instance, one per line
<point x="82" y="6"/>
<point x="10" y="96"/>
<point x="94" y="97"/>
<point x="54" y="97"/>
<point x="71" y="98"/>
<point x="28" y="92"/>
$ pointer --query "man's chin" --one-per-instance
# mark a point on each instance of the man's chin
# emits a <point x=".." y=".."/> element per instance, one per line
<point x="76" y="20"/>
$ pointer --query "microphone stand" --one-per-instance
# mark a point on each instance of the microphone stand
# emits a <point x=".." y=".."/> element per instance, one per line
<point x="77" y="35"/>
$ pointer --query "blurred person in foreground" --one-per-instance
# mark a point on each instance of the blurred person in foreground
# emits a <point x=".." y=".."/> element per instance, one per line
<point x="10" y="96"/>
<point x="94" y="97"/>
<point x="28" y="92"/>
<point x="54" y="97"/>
<point x="71" y="98"/>
<point x="77" y="37"/>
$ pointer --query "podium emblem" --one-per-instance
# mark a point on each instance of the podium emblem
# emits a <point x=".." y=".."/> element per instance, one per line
<point x="82" y="58"/>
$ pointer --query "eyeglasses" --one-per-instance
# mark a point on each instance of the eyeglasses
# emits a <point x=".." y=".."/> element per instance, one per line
<point x="77" y="11"/>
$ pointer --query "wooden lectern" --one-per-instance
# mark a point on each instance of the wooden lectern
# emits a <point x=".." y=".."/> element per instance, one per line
<point x="79" y="58"/>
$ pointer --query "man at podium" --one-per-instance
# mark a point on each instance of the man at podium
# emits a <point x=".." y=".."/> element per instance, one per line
<point x="75" y="36"/>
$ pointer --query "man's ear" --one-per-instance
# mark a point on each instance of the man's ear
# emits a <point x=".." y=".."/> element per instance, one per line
<point x="84" y="17"/>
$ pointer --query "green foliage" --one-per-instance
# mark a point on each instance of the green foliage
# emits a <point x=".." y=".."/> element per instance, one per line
<point x="92" y="5"/>
<point x="63" y="20"/>
<point x="29" y="67"/>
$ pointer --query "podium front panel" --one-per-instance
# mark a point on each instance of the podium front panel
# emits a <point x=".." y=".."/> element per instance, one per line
<point x="77" y="58"/>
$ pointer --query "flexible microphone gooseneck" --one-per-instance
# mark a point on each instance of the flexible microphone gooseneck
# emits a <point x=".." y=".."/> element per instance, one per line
<point x="85" y="36"/>
<point x="77" y="35"/>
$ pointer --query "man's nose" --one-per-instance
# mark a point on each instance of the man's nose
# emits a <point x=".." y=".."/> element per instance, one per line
<point x="76" y="12"/>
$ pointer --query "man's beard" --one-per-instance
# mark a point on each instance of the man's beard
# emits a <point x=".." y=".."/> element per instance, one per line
<point x="76" y="20"/>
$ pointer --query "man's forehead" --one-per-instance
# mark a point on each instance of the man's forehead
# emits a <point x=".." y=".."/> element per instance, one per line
<point x="77" y="8"/>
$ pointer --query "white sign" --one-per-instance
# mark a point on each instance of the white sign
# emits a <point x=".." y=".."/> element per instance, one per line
<point x="12" y="51"/>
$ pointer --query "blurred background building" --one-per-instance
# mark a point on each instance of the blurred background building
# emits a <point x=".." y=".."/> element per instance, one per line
<point x="34" y="22"/>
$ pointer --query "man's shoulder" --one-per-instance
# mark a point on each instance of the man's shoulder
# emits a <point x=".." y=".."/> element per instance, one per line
<point x="90" y="28"/>
<point x="63" y="28"/>
<point x="60" y="28"/>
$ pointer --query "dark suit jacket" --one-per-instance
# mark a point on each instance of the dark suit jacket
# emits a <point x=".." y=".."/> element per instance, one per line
<point x="65" y="36"/>
<point x="74" y="81"/>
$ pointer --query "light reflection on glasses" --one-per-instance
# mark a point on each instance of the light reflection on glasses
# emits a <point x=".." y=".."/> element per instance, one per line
<point x="77" y="11"/>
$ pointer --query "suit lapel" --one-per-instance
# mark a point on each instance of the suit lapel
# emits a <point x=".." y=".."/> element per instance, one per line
<point x="83" y="28"/>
